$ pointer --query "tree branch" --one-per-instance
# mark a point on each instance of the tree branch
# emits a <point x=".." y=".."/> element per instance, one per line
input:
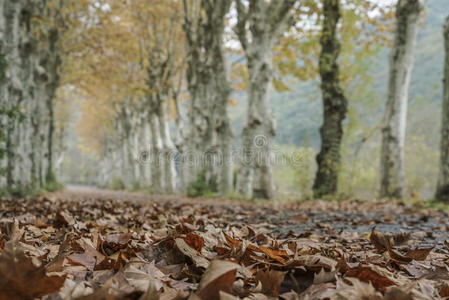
<point x="242" y="18"/>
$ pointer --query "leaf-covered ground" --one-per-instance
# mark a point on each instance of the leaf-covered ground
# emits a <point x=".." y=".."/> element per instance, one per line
<point x="111" y="245"/>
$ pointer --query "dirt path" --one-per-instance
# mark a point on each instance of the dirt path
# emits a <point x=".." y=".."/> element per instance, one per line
<point x="104" y="242"/>
<point x="318" y="217"/>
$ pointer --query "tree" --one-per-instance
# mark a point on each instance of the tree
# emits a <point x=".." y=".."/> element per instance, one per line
<point x="160" y="30"/>
<point x="210" y="137"/>
<point x="30" y="38"/>
<point x="442" y="192"/>
<point x="267" y="21"/>
<point x="394" y="123"/>
<point x="125" y="63"/>
<point x="334" y="103"/>
<point x="101" y="64"/>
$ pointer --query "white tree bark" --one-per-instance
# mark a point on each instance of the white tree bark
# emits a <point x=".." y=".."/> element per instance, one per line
<point x="157" y="170"/>
<point x="145" y="151"/>
<point x="180" y="145"/>
<point x="26" y="90"/>
<point x="442" y="192"/>
<point x="209" y="140"/>
<point x="168" y="152"/>
<point x="393" y="132"/>
<point x="267" y="22"/>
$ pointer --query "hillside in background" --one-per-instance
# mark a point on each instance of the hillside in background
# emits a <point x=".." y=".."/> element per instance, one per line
<point x="298" y="112"/>
<point x="298" y="115"/>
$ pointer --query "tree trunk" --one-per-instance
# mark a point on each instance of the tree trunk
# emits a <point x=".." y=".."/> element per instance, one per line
<point x="145" y="152"/>
<point x="168" y="152"/>
<point x="52" y="63"/>
<point x="209" y="140"/>
<point x="180" y="164"/>
<point x="442" y="192"/>
<point x="50" y="177"/>
<point x="393" y="132"/>
<point x="12" y="85"/>
<point x="334" y="104"/>
<point x="28" y="91"/>
<point x="256" y="174"/>
<point x="267" y="21"/>
<point x="157" y="171"/>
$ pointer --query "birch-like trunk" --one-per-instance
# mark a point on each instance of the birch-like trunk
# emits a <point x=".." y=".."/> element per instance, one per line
<point x="28" y="85"/>
<point x="267" y="21"/>
<point x="442" y="192"/>
<point x="168" y="152"/>
<point x="334" y="104"/>
<point x="145" y="152"/>
<point x="182" y="169"/>
<point x="209" y="140"/>
<point x="256" y="174"/>
<point x="12" y="86"/>
<point x="393" y="132"/>
<point x="157" y="170"/>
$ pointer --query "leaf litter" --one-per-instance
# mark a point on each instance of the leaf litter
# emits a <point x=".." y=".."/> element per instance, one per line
<point x="123" y="246"/>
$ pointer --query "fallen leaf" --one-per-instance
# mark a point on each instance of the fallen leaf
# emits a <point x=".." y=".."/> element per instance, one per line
<point x="194" y="241"/>
<point x="271" y="281"/>
<point x="219" y="276"/>
<point x="419" y="254"/>
<point x="21" y="279"/>
<point x="367" y="275"/>
<point x="188" y="251"/>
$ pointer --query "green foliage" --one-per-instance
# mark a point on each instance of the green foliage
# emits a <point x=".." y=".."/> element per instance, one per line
<point x="51" y="183"/>
<point x="22" y="191"/>
<point x="237" y="196"/>
<point x="50" y="177"/>
<point x="117" y="184"/>
<point x="234" y="178"/>
<point x="294" y="171"/>
<point x="200" y="187"/>
<point x="135" y="186"/>
<point x="53" y="186"/>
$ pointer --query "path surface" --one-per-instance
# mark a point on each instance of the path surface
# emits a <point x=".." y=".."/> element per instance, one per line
<point x="320" y="217"/>
<point x="98" y="243"/>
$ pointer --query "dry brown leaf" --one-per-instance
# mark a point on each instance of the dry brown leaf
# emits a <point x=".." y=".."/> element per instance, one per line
<point x="89" y="258"/>
<point x="194" y="241"/>
<point x="396" y="293"/>
<point x="444" y="289"/>
<point x="21" y="279"/>
<point x="219" y="276"/>
<point x="399" y="257"/>
<point x="419" y="254"/>
<point x="379" y="240"/>
<point x="116" y="241"/>
<point x="65" y="218"/>
<point x="271" y="281"/>
<point x="188" y="251"/>
<point x="365" y="274"/>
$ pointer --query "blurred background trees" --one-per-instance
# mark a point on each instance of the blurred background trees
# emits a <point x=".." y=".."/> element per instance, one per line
<point x="156" y="95"/>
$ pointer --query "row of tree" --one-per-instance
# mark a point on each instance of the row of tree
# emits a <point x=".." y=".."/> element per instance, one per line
<point x="29" y="78"/>
<point x="156" y="78"/>
<point x="195" y="86"/>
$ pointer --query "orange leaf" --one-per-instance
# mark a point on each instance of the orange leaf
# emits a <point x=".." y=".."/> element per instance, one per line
<point x="367" y="275"/>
